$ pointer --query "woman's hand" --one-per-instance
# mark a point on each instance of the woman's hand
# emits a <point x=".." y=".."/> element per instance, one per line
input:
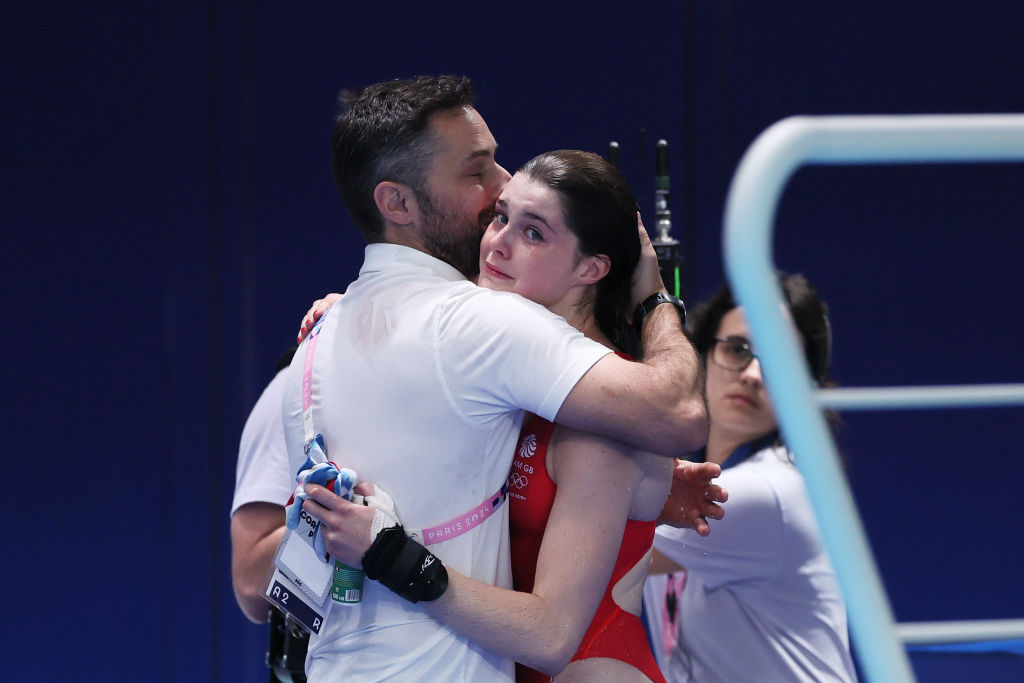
<point x="315" y="312"/>
<point x="693" y="499"/>
<point x="349" y="528"/>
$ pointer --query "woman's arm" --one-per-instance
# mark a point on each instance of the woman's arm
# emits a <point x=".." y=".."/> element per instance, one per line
<point x="543" y="629"/>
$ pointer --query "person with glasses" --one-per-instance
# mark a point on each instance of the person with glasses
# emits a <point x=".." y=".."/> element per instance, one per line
<point x="757" y="599"/>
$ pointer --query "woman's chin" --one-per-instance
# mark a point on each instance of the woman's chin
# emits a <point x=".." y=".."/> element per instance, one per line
<point x="484" y="280"/>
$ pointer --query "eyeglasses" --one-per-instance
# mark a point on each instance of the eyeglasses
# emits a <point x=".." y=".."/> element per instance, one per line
<point x="732" y="353"/>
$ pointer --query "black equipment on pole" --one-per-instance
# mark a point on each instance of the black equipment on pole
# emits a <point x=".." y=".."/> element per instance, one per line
<point x="670" y="261"/>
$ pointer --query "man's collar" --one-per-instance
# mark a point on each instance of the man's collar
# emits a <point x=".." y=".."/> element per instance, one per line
<point x="386" y="256"/>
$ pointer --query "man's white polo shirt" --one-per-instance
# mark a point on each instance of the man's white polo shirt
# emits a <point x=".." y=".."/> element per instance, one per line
<point x="419" y="382"/>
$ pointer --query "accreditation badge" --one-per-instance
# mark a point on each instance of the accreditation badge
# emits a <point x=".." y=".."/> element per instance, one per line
<point x="290" y="599"/>
<point x="303" y="566"/>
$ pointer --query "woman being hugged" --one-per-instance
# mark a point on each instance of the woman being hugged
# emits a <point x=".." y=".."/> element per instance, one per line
<point x="583" y="508"/>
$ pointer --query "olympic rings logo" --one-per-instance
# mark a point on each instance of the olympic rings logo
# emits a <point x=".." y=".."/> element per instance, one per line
<point x="518" y="481"/>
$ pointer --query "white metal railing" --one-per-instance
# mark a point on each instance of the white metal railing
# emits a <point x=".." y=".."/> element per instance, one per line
<point x="894" y="398"/>
<point x="762" y="174"/>
<point x="929" y="632"/>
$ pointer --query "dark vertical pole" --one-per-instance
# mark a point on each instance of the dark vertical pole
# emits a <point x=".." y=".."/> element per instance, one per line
<point x="724" y="158"/>
<point x="251" y="370"/>
<point x="688" y="203"/>
<point x="666" y="246"/>
<point x="214" y="399"/>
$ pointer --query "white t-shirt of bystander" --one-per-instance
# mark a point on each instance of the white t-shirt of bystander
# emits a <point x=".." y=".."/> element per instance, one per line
<point x="263" y="474"/>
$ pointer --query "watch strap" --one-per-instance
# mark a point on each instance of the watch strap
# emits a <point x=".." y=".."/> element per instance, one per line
<point x="648" y="305"/>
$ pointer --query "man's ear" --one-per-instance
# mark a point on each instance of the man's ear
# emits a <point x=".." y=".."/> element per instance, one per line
<point x="396" y="202"/>
<point x="593" y="268"/>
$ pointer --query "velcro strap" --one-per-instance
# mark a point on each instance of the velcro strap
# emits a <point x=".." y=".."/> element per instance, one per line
<point x="404" y="566"/>
<point x="404" y="569"/>
<point x="383" y="551"/>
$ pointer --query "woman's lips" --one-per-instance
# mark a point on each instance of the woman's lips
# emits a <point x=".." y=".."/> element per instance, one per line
<point x="491" y="270"/>
<point x="743" y="398"/>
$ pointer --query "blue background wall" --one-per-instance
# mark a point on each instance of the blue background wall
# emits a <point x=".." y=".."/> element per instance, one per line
<point x="168" y="214"/>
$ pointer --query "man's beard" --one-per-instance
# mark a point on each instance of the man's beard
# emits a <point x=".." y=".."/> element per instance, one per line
<point x="453" y="238"/>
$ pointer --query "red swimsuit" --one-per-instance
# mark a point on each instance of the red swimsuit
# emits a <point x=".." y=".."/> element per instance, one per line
<point x="613" y="633"/>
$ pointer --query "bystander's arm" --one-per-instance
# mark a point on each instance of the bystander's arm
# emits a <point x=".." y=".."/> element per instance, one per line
<point x="256" y="532"/>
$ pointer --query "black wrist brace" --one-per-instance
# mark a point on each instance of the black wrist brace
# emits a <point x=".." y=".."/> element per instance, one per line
<point x="405" y="566"/>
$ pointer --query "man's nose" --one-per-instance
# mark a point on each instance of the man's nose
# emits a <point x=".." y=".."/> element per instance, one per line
<point x="503" y="178"/>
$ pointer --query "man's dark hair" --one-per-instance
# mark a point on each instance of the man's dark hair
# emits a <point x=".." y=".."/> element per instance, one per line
<point x="382" y="134"/>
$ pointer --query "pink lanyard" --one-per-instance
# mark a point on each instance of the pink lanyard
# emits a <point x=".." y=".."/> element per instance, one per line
<point x="460" y="524"/>
<point x="308" y="433"/>
<point x="674" y="585"/>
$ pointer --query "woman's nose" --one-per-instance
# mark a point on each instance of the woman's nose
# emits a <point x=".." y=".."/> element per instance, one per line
<point x="752" y="373"/>
<point x="499" y="239"/>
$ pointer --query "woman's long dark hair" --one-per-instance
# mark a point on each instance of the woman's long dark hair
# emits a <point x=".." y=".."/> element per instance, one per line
<point x="809" y="313"/>
<point x="600" y="210"/>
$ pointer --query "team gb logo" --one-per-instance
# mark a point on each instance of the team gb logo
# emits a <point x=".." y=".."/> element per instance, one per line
<point x="528" y="446"/>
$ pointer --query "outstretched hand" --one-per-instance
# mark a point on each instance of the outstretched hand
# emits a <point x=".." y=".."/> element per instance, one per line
<point x="693" y="499"/>
<point x="315" y="312"/>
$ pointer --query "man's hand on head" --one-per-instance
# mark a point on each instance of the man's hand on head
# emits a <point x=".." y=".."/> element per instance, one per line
<point x="646" y="276"/>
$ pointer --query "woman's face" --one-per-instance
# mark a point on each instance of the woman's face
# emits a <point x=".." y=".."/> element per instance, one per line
<point x="528" y="248"/>
<point x="737" y="400"/>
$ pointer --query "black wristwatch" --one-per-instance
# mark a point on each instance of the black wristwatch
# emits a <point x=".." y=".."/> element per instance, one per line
<point x="648" y="304"/>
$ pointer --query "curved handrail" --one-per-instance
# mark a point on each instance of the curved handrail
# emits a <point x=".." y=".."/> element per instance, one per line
<point x="750" y="209"/>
